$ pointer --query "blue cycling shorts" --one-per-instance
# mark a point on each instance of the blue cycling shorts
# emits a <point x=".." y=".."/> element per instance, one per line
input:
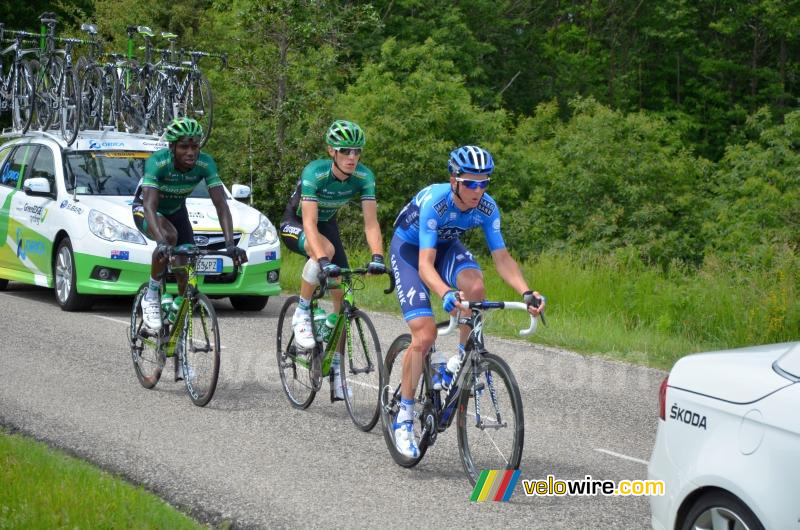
<point x="412" y="293"/>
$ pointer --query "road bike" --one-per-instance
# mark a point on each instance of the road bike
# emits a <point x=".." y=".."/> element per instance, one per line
<point x="17" y="82"/>
<point x="193" y="339"/>
<point x="353" y="338"/>
<point x="483" y="398"/>
<point x="57" y="90"/>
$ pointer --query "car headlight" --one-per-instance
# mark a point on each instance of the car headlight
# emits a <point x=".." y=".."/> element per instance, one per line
<point x="108" y="228"/>
<point x="264" y="233"/>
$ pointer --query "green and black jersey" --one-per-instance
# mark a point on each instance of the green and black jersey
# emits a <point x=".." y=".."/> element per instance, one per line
<point x="173" y="185"/>
<point x="317" y="183"/>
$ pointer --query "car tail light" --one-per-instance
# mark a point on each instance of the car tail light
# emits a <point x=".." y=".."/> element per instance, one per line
<point x="662" y="399"/>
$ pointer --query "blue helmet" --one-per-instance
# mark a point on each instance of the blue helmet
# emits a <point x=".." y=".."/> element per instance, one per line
<point x="470" y="159"/>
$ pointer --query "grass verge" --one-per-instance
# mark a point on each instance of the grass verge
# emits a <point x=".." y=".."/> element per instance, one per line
<point x="44" y="488"/>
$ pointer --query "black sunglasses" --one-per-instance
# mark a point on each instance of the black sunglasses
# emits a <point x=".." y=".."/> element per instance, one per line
<point x="347" y="151"/>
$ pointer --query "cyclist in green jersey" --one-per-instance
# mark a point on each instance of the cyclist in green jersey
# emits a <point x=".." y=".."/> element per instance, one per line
<point x="159" y="205"/>
<point x="309" y="223"/>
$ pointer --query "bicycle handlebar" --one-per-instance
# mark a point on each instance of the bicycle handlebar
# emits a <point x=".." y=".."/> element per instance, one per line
<point x="360" y="271"/>
<point x="485" y="304"/>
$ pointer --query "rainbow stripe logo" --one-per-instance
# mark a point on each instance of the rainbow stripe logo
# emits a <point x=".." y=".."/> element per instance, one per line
<point x="495" y="485"/>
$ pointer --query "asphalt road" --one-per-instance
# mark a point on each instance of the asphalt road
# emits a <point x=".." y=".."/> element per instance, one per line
<point x="251" y="459"/>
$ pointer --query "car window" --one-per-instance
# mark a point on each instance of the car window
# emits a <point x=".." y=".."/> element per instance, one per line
<point x="14" y="168"/>
<point x="44" y="167"/>
<point x="790" y="361"/>
<point x="109" y="173"/>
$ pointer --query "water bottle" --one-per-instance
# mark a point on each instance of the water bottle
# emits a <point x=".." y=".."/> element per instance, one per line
<point x="453" y="364"/>
<point x="173" y="312"/>
<point x="166" y="305"/>
<point x="319" y="323"/>
<point x="330" y="323"/>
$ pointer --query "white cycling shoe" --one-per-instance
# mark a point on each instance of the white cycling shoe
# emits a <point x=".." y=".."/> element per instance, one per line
<point x="404" y="439"/>
<point x="151" y="313"/>
<point x="303" y="330"/>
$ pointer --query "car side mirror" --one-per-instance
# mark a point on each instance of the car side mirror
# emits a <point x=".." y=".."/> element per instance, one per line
<point x="240" y="192"/>
<point x="38" y="186"/>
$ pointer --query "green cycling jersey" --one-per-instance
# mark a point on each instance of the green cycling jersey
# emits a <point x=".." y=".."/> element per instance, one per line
<point x="173" y="185"/>
<point x="317" y="183"/>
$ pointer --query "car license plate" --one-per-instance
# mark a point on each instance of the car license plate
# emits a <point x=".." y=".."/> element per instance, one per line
<point x="209" y="266"/>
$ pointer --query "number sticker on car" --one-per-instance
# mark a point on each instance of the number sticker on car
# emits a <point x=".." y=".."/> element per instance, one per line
<point x="209" y="266"/>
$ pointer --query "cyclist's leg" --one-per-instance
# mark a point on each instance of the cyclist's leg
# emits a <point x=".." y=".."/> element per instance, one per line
<point x="183" y="235"/>
<point x="151" y="302"/>
<point x="329" y="230"/>
<point x="293" y="236"/>
<point x="465" y="274"/>
<point x="413" y="295"/>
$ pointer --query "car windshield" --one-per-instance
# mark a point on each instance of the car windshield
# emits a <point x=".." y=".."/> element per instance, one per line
<point x="790" y="361"/>
<point x="110" y="173"/>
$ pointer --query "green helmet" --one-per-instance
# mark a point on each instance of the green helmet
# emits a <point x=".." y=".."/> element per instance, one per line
<point x="344" y="133"/>
<point x="180" y="127"/>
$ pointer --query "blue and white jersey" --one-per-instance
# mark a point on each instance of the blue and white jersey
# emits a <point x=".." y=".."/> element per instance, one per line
<point x="431" y="218"/>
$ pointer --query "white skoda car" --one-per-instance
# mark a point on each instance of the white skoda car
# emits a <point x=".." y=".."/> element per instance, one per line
<point x="728" y="441"/>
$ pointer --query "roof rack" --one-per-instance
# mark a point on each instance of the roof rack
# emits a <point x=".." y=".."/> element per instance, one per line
<point x="94" y="133"/>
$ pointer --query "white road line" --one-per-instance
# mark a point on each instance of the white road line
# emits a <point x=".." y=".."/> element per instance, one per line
<point x="126" y="322"/>
<point x="618" y="455"/>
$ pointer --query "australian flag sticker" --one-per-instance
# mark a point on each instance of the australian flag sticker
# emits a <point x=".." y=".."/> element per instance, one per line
<point x="120" y="254"/>
<point x="270" y="255"/>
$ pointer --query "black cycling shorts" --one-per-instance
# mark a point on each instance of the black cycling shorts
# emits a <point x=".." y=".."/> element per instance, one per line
<point x="294" y="238"/>
<point x="180" y="220"/>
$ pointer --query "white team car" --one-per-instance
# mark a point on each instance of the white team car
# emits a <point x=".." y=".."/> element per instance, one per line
<point x="66" y="222"/>
<point x="728" y="441"/>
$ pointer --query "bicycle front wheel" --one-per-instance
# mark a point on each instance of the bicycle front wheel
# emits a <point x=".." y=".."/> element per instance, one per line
<point x="360" y="371"/>
<point x="199" y="355"/>
<point x="148" y="358"/>
<point x="490" y="423"/>
<point x="299" y="369"/>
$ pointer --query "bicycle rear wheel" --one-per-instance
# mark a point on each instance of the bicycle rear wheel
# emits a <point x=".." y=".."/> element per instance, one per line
<point x="23" y="97"/>
<point x="360" y="371"/>
<point x="299" y="369"/>
<point x="390" y="401"/>
<point x="148" y="358"/>
<point x="70" y="107"/>
<point x="491" y="425"/>
<point x="199" y="104"/>
<point x="199" y="355"/>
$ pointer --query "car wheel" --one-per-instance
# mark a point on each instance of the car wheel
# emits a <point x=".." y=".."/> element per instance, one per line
<point x="249" y="303"/>
<point x="3" y="284"/>
<point x="64" y="278"/>
<point x="720" y="509"/>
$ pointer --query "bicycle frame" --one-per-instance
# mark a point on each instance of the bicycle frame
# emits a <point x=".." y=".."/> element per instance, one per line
<point x="438" y="412"/>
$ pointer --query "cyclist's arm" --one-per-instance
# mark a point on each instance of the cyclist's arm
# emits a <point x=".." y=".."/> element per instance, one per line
<point x="427" y="271"/>
<point x="217" y="194"/>
<point x="314" y="246"/>
<point x="372" y="228"/>
<point x="508" y="269"/>
<point x="150" y="203"/>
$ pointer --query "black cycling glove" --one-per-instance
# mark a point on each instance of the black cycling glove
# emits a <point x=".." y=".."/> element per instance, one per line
<point x="376" y="266"/>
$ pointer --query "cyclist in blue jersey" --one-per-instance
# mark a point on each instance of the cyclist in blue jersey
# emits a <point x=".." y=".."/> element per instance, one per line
<point x="427" y="255"/>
